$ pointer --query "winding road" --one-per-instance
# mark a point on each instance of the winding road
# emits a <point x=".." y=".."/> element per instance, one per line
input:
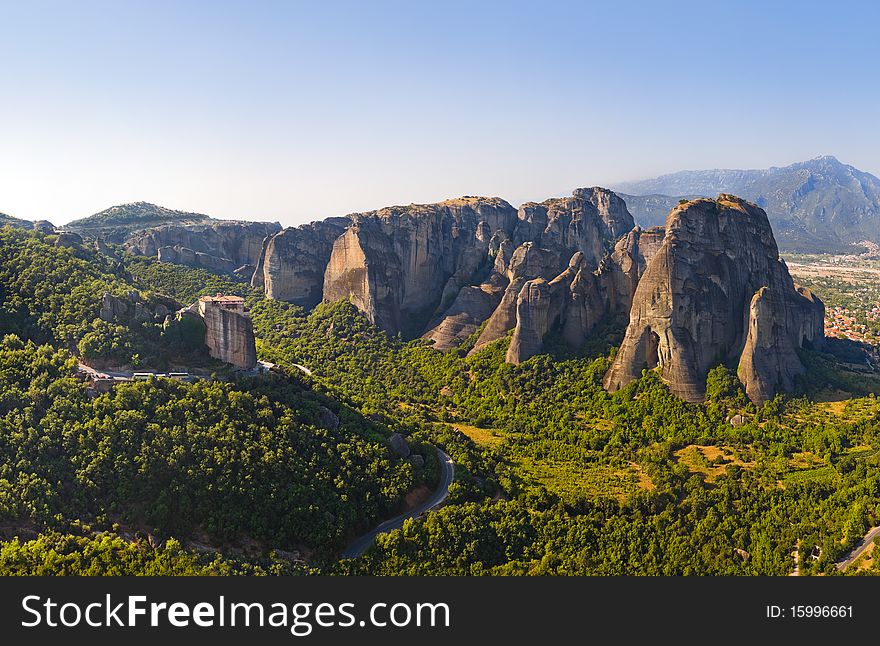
<point x="302" y="368"/>
<point x="362" y="544"/>
<point x="859" y="549"/>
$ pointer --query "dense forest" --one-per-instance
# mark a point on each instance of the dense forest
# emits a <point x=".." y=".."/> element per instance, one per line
<point x="553" y="474"/>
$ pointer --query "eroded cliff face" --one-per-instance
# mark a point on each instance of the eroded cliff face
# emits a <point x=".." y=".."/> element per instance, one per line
<point x="779" y="323"/>
<point x="442" y="269"/>
<point x="473" y="303"/>
<point x="582" y="295"/>
<point x="397" y="264"/>
<point x="547" y="238"/>
<point x="132" y="308"/>
<point x="528" y="262"/>
<point x="624" y="268"/>
<point x="229" y="330"/>
<point x="587" y="222"/>
<point x="218" y="245"/>
<point x="539" y="306"/>
<point x="292" y="262"/>
<point x="717" y="291"/>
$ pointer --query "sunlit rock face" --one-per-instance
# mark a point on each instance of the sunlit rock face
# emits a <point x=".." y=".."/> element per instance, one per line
<point x="716" y="291"/>
<point x="399" y="263"/>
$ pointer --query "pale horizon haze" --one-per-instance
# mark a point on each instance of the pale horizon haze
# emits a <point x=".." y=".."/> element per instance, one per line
<point x="296" y="111"/>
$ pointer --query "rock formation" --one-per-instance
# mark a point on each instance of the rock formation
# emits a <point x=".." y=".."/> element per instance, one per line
<point x="527" y="263"/>
<point x="229" y="330"/>
<point x="778" y="324"/>
<point x="44" y="226"/>
<point x="68" y="239"/>
<point x="581" y="295"/>
<point x="292" y="262"/>
<point x="394" y="264"/>
<point x="624" y="268"/>
<point x="717" y="291"/>
<point x="131" y="308"/>
<point x="545" y="237"/>
<point x="218" y="245"/>
<point x="474" y="303"/>
<point x="586" y="306"/>
<point x="587" y="222"/>
<point x="539" y="306"/>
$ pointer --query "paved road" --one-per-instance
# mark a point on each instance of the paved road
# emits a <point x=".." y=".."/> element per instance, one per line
<point x="360" y="545"/>
<point x="110" y="373"/>
<point x="262" y="366"/>
<point x="859" y="549"/>
<point x="303" y="368"/>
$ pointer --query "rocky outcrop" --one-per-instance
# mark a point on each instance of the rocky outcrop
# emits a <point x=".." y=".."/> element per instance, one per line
<point x="364" y="269"/>
<point x="528" y="262"/>
<point x="229" y="330"/>
<point x="579" y="297"/>
<point x="327" y="418"/>
<point x="395" y="264"/>
<point x="539" y="306"/>
<point x="398" y="445"/>
<point x="779" y="323"/>
<point x="623" y="269"/>
<point x="44" y="226"/>
<point x="717" y="291"/>
<point x="474" y="303"/>
<point x="217" y="245"/>
<point x="586" y="306"/>
<point x="179" y="255"/>
<point x="292" y="262"/>
<point x="560" y="243"/>
<point x="245" y="272"/>
<point x="131" y="308"/>
<point x="68" y="239"/>
<point x="589" y="221"/>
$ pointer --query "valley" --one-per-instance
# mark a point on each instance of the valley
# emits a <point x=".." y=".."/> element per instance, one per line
<point x="850" y="286"/>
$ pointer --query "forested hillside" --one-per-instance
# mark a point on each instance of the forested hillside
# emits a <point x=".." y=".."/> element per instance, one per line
<point x="243" y="467"/>
<point x="553" y="474"/>
<point x="565" y="478"/>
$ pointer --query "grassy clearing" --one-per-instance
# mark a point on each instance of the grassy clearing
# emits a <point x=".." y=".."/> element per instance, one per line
<point x="711" y="461"/>
<point x="574" y="481"/>
<point x="486" y="437"/>
<point x="805" y="461"/>
<point x="833" y="403"/>
<point x="644" y="479"/>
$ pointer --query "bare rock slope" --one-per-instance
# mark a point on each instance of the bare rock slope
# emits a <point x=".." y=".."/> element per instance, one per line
<point x="716" y="290"/>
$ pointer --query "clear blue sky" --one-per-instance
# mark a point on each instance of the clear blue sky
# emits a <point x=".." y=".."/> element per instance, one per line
<point x="296" y="111"/>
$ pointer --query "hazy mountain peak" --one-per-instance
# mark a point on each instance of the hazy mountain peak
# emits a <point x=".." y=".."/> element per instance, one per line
<point x="821" y="204"/>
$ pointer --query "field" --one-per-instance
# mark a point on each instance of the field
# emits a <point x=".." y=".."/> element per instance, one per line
<point x="575" y="481"/>
<point x="484" y="437"/>
<point x="711" y="461"/>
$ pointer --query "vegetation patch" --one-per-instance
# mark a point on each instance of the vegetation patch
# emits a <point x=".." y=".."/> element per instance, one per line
<point x="487" y="437"/>
<point x="710" y="461"/>
<point x="574" y="482"/>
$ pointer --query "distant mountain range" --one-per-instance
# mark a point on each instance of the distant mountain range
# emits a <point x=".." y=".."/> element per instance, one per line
<point x="820" y="205"/>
